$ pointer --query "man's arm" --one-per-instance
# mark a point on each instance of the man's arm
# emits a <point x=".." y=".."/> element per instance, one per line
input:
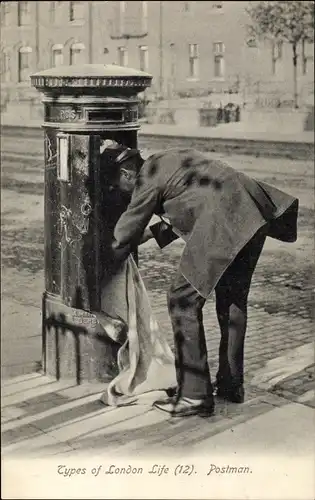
<point x="132" y="223"/>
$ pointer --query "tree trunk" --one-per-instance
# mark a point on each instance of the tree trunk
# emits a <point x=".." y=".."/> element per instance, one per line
<point x="295" y="83"/>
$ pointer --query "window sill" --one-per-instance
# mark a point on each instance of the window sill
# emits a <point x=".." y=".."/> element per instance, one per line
<point x="190" y="79"/>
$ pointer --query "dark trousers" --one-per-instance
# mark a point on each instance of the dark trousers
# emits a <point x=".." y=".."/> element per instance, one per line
<point x="185" y="309"/>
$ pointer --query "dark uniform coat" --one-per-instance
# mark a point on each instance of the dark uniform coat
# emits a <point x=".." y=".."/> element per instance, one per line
<point x="213" y="207"/>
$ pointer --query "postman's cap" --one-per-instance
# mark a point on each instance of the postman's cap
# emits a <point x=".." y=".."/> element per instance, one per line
<point x="126" y="154"/>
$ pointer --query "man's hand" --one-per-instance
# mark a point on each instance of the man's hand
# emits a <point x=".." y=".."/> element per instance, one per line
<point x="163" y="233"/>
<point x="147" y="235"/>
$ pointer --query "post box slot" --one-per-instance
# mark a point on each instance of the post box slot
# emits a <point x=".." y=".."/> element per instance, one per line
<point x="106" y="116"/>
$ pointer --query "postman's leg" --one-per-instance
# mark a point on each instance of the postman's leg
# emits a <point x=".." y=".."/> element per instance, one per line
<point x="185" y="309"/>
<point x="231" y="305"/>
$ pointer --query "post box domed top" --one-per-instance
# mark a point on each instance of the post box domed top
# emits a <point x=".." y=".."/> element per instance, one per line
<point x="92" y="78"/>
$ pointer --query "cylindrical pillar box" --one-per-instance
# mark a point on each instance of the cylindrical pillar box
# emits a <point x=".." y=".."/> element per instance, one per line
<point x="84" y="105"/>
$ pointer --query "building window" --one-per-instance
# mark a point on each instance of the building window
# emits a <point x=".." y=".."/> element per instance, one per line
<point x="144" y="16"/>
<point x="218" y="48"/>
<point x="24" y="13"/>
<point x="144" y="58"/>
<point x="5" y="67"/>
<point x="24" y="62"/>
<point x="77" y="11"/>
<point x="219" y="67"/>
<point x="173" y="60"/>
<point x="186" y="6"/>
<point x="57" y="55"/>
<point x="121" y="16"/>
<point x="52" y="12"/>
<point x="129" y="19"/>
<point x="307" y="56"/>
<point x="77" y="54"/>
<point x="193" y="60"/>
<point x="122" y="56"/>
<point x="277" y="51"/>
<point x="5" y="13"/>
<point x="172" y="81"/>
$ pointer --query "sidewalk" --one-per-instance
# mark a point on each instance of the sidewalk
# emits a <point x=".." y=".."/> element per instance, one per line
<point x="229" y="139"/>
<point x="236" y="131"/>
<point x="45" y="419"/>
<point x="229" y="131"/>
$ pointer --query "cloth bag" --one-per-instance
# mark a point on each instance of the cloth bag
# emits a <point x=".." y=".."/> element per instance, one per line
<point x="145" y="359"/>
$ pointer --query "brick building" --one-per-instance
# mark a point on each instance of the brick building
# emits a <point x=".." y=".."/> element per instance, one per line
<point x="188" y="47"/>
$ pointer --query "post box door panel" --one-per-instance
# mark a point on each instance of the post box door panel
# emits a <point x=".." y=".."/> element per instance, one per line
<point x="78" y="174"/>
<point x="88" y="212"/>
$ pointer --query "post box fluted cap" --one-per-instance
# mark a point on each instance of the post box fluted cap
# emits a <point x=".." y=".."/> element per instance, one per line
<point x="91" y="76"/>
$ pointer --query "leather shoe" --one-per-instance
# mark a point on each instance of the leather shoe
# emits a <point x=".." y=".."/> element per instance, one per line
<point x="183" y="407"/>
<point x="232" y="394"/>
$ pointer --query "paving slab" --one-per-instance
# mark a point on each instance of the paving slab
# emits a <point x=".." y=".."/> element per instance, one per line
<point x="282" y="367"/>
<point x="44" y="388"/>
<point x="285" y="430"/>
